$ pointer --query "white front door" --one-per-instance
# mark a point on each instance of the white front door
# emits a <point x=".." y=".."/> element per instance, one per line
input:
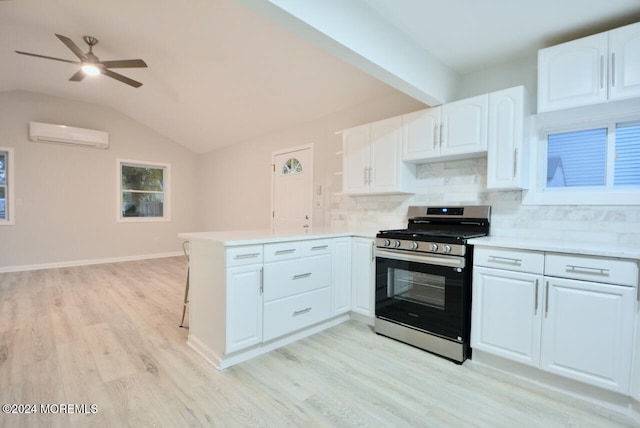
<point x="293" y="189"/>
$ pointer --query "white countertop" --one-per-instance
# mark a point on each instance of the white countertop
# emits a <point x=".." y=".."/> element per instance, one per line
<point x="230" y="238"/>
<point x="589" y="249"/>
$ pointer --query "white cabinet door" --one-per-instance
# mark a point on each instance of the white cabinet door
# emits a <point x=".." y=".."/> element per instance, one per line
<point x="624" y="51"/>
<point x="587" y="332"/>
<point x="372" y="159"/>
<point x="464" y="126"/>
<point x="573" y="74"/>
<point x="363" y="276"/>
<point x="506" y="314"/>
<point x="341" y="276"/>
<point x="421" y="135"/>
<point x="356" y="154"/>
<point x="506" y="157"/>
<point x="244" y="307"/>
<point x="386" y="155"/>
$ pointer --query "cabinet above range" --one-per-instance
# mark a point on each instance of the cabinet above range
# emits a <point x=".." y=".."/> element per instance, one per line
<point x="380" y="157"/>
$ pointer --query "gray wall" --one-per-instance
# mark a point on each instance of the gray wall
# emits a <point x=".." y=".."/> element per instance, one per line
<point x="66" y="197"/>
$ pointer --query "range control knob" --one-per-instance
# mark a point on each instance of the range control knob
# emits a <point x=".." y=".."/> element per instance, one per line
<point x="396" y="244"/>
<point x="386" y="243"/>
<point x="434" y="247"/>
<point x="447" y="248"/>
<point x="414" y="245"/>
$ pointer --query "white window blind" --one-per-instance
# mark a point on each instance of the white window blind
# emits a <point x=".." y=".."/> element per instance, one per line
<point x="627" y="158"/>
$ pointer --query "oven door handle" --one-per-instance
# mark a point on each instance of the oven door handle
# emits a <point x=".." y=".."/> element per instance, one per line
<point x="452" y="261"/>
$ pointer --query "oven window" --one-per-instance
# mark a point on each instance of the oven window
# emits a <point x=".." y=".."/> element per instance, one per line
<point x="417" y="287"/>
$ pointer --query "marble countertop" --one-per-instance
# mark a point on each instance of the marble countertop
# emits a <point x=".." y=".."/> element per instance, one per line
<point x="589" y="249"/>
<point x="230" y="238"/>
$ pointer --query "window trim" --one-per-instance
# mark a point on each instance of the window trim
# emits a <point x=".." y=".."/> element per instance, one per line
<point x="539" y="194"/>
<point x="166" y="183"/>
<point x="10" y="201"/>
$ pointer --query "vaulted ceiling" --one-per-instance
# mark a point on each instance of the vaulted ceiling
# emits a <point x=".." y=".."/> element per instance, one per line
<point x="221" y="72"/>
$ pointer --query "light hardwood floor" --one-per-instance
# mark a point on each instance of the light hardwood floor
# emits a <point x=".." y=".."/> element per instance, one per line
<point x="108" y="335"/>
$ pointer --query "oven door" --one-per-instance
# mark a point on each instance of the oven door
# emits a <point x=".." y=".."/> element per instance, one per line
<point x="424" y="291"/>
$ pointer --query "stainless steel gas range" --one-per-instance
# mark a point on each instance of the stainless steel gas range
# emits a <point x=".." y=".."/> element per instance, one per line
<point x="423" y="279"/>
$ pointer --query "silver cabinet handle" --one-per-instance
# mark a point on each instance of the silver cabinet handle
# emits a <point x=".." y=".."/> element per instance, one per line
<point x="498" y="259"/>
<point x="289" y="251"/>
<point x="319" y="247"/>
<point x="613" y="69"/>
<point x="246" y="256"/>
<point x="535" y="311"/>
<point x="373" y="252"/>
<point x="546" y="300"/>
<point x="588" y="270"/>
<point x="301" y="311"/>
<point x="261" y="280"/>
<point x="435" y="135"/>
<point x="515" y="162"/>
<point x="302" y="275"/>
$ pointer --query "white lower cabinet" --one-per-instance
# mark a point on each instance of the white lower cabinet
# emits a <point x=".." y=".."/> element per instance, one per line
<point x="583" y="330"/>
<point x="244" y="307"/>
<point x="341" y="276"/>
<point x="587" y="332"/>
<point x="506" y="314"/>
<point x="363" y="276"/>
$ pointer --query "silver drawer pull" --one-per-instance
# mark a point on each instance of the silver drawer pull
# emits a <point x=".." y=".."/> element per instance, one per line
<point x="301" y="311"/>
<point x="498" y="259"/>
<point x="588" y="270"/>
<point x="319" y="247"/>
<point x="289" y="251"/>
<point x="246" y="256"/>
<point x="302" y="275"/>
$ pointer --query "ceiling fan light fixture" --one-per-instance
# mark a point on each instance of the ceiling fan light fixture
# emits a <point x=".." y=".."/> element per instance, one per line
<point x="90" y="69"/>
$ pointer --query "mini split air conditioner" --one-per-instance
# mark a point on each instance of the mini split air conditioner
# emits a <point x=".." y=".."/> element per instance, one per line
<point x="49" y="133"/>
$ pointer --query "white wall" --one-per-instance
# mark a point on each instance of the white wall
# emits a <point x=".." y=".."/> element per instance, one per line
<point x="236" y="181"/>
<point x="66" y="197"/>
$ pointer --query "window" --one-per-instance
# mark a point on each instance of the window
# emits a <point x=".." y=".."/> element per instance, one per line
<point x="143" y="191"/>
<point x="594" y="165"/>
<point x="291" y="166"/>
<point x="6" y="186"/>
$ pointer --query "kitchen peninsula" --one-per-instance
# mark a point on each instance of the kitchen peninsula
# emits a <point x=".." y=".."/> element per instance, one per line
<point x="255" y="291"/>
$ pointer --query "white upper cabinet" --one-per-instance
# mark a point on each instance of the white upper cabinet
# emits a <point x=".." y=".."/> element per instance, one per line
<point x="507" y="148"/>
<point x="590" y="70"/>
<point x="464" y="126"/>
<point x="356" y="153"/>
<point x="451" y="131"/>
<point x="421" y="134"/>
<point x="624" y="48"/>
<point x="372" y="159"/>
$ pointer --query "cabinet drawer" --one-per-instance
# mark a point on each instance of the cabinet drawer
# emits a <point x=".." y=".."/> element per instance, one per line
<point x="316" y="247"/>
<point x="241" y="256"/>
<point x="290" y="277"/>
<point x="508" y="259"/>
<point x="281" y="251"/>
<point x="597" y="269"/>
<point x="293" y="313"/>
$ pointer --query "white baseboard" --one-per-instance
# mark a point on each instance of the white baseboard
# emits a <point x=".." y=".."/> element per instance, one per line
<point x="73" y="263"/>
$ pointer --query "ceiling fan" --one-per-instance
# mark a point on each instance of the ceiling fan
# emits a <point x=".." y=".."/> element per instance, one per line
<point x="90" y="64"/>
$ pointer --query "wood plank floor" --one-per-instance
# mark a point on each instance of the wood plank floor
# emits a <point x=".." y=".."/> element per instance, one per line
<point x="108" y="335"/>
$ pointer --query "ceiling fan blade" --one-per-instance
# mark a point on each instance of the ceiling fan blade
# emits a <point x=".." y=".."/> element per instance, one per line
<point x="78" y="76"/>
<point x="121" y="78"/>
<point x="47" y="57"/>
<point x="74" y="48"/>
<point x="125" y="63"/>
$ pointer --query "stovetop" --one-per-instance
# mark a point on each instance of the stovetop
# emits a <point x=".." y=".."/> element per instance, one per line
<point x="444" y="236"/>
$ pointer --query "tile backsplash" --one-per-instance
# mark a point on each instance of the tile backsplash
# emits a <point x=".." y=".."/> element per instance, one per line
<point x="464" y="182"/>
